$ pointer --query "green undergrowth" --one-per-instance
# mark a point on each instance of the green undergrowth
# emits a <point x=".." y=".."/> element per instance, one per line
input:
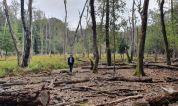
<point x="37" y="64"/>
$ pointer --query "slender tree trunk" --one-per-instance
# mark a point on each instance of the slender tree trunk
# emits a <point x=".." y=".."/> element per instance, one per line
<point x="83" y="37"/>
<point x="14" y="38"/>
<point x="164" y="33"/>
<point x="66" y="31"/>
<point x="144" y="17"/>
<point x="42" y="40"/>
<point x="113" y="29"/>
<point x="46" y="38"/>
<point x="95" y="47"/>
<point x="87" y="41"/>
<point x="101" y="28"/>
<point x="133" y="31"/>
<point x="108" y="50"/>
<point x="27" y="31"/>
<point x="173" y="31"/>
<point x="50" y="38"/>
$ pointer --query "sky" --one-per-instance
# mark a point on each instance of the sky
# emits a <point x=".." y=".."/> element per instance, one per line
<point x="55" y="8"/>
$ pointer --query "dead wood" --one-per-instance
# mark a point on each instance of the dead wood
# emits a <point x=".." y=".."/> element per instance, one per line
<point x="73" y="102"/>
<point x="161" y="66"/>
<point x="175" y="60"/>
<point x="120" y="100"/>
<point x="170" y="97"/>
<point x="58" y="83"/>
<point x="14" y="83"/>
<point x="25" y="98"/>
<point x="133" y="79"/>
<point x="110" y="67"/>
<point x="132" y="66"/>
<point x="171" y="79"/>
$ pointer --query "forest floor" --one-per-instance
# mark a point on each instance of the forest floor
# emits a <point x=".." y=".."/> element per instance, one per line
<point x="85" y="88"/>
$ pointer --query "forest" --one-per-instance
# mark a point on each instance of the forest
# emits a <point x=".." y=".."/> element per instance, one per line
<point x="118" y="53"/>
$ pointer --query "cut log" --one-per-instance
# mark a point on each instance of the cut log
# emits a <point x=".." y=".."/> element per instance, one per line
<point x="58" y="83"/>
<point x="113" y="103"/>
<point x="24" y="98"/>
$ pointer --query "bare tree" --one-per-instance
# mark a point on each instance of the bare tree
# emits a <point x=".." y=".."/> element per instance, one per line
<point x="14" y="38"/>
<point x="163" y="28"/>
<point x="95" y="46"/>
<point x="27" y="32"/>
<point x="76" y="31"/>
<point x="144" y="17"/>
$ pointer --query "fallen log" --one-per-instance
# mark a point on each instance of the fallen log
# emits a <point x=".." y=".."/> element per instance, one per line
<point x="111" y="67"/>
<point x="113" y="103"/>
<point x="133" y="66"/>
<point x="175" y="60"/>
<point x="25" y="98"/>
<point x="73" y="103"/>
<point x="14" y="83"/>
<point x="58" y="83"/>
<point x="161" y="66"/>
<point x="133" y="79"/>
<point x="170" y="79"/>
<point x="170" y="97"/>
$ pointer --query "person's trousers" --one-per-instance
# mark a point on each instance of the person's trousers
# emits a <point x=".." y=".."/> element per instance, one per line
<point x="71" y="67"/>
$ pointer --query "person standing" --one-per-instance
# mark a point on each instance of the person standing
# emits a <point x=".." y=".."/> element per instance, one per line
<point x="71" y="62"/>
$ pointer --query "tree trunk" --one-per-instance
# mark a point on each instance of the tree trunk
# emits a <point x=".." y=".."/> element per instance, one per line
<point x="83" y="38"/>
<point x="101" y="28"/>
<point x="108" y="50"/>
<point x="50" y="38"/>
<point x="168" y="57"/>
<point x="66" y="31"/>
<point x="14" y="38"/>
<point x="27" y="31"/>
<point x="95" y="46"/>
<point x="173" y="30"/>
<point x="87" y="41"/>
<point x="144" y="16"/>
<point x="113" y="30"/>
<point x="133" y="31"/>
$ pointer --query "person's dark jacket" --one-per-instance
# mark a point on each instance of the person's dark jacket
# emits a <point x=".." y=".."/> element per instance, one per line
<point x="71" y="62"/>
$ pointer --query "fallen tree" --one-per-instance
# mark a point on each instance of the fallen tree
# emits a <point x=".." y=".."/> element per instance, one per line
<point x="111" y="67"/>
<point x="113" y="103"/>
<point x="171" y="79"/>
<point x="25" y="97"/>
<point x="133" y="79"/>
<point x="133" y="66"/>
<point x="171" y="96"/>
<point x="58" y="83"/>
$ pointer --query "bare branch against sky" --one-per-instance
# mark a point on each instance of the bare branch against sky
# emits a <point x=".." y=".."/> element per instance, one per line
<point x="55" y="8"/>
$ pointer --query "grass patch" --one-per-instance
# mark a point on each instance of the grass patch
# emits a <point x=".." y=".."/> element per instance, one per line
<point x="37" y="64"/>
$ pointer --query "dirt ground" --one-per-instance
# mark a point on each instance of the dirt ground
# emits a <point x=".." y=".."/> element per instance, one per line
<point x="96" y="90"/>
